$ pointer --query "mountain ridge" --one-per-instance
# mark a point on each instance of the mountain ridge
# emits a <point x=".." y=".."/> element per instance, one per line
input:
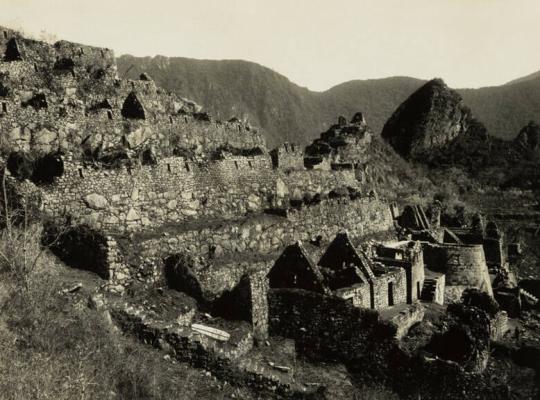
<point x="528" y="77"/>
<point x="288" y="112"/>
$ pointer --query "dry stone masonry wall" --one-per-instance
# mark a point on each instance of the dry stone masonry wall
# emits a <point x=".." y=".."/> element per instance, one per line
<point x="266" y="234"/>
<point x="174" y="190"/>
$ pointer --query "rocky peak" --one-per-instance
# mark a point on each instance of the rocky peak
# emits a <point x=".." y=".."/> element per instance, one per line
<point x="430" y="118"/>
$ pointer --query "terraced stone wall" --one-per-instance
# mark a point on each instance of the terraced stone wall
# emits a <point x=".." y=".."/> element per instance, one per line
<point x="175" y="190"/>
<point x="265" y="234"/>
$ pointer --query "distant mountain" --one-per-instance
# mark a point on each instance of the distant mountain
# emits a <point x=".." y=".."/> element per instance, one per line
<point x="288" y="112"/>
<point x="530" y="77"/>
<point x="433" y="126"/>
<point x="505" y="109"/>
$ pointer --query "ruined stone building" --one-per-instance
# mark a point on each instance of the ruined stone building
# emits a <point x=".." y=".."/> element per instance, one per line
<point x="455" y="259"/>
<point x="342" y="271"/>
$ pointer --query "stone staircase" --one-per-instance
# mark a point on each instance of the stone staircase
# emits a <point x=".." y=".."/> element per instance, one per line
<point x="428" y="290"/>
<point x="532" y="298"/>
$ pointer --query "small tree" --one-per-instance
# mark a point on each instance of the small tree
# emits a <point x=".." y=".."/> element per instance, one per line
<point x="20" y="236"/>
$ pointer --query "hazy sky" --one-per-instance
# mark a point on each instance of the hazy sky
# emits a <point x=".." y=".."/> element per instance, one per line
<point x="315" y="43"/>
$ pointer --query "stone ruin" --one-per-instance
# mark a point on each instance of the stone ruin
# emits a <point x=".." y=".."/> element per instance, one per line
<point x="237" y="246"/>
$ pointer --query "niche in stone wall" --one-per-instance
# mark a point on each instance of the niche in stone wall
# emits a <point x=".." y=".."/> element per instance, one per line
<point x="4" y="107"/>
<point x="179" y="276"/>
<point x="38" y="102"/>
<point x="133" y="108"/>
<point x="4" y="90"/>
<point x="234" y="304"/>
<point x="13" y="52"/>
<point x="65" y="65"/>
<point x="41" y="170"/>
<point x="46" y="168"/>
<point x="79" y="247"/>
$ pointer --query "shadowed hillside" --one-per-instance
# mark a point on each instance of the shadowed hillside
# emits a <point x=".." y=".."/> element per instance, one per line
<point x="288" y="112"/>
<point x="505" y="109"/>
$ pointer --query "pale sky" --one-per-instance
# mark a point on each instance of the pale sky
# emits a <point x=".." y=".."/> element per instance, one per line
<point x="315" y="43"/>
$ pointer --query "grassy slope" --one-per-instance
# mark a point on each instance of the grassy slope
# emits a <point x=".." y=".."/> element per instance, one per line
<point x="54" y="346"/>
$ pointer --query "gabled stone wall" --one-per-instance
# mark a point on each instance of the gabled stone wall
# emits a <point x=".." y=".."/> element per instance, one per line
<point x="288" y="157"/>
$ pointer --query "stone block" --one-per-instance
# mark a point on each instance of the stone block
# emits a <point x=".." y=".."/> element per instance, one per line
<point x="96" y="201"/>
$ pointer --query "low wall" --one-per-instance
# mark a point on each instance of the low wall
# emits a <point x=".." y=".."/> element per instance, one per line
<point x="317" y="181"/>
<point x="326" y="327"/>
<point x="407" y="318"/>
<point x="268" y="233"/>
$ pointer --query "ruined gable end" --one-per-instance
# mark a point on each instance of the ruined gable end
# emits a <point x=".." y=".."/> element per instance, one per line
<point x="294" y="269"/>
<point x="13" y="52"/>
<point x="133" y="107"/>
<point x="342" y="265"/>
